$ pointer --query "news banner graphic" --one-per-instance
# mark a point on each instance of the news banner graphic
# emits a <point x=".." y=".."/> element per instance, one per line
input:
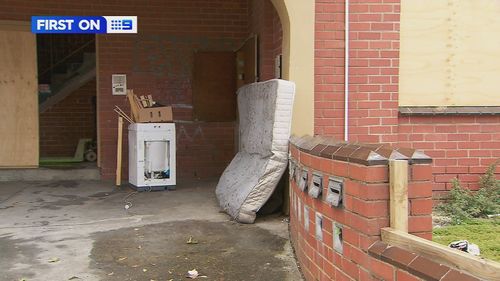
<point x="81" y="24"/>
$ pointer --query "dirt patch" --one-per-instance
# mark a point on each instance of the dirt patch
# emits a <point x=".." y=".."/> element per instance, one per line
<point x="225" y="252"/>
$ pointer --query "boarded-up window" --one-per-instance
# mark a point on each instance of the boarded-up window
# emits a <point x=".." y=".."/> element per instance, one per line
<point x="450" y="53"/>
<point x="214" y="86"/>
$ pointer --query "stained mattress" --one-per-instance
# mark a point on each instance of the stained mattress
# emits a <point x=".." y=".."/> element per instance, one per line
<point x="265" y="115"/>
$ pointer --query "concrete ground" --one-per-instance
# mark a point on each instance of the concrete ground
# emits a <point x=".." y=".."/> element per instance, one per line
<point x="80" y="230"/>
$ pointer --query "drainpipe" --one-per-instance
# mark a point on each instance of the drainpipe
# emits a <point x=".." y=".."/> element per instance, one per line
<point x="346" y="72"/>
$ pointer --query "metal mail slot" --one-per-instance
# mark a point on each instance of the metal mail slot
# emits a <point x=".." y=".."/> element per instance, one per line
<point x="319" y="227"/>
<point x="291" y="169"/>
<point x="316" y="185"/>
<point x="334" y="194"/>
<point x="297" y="172"/>
<point x="303" y="180"/>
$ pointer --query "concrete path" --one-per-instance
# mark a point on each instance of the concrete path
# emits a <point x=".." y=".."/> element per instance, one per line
<point x="80" y="230"/>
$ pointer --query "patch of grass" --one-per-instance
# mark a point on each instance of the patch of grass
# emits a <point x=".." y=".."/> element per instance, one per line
<point x="462" y="204"/>
<point x="483" y="232"/>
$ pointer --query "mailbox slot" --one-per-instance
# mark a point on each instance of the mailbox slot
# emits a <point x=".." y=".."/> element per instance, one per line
<point x="297" y="173"/>
<point x="303" y="180"/>
<point x="306" y="218"/>
<point x="292" y="166"/>
<point x="335" y="191"/>
<point x="338" y="240"/>
<point x="316" y="185"/>
<point x="319" y="227"/>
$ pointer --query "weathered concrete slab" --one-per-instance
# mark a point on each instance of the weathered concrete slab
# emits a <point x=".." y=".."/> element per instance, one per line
<point x="84" y="225"/>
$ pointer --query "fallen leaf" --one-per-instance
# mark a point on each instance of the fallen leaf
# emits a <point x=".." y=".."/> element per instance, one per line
<point x="52" y="260"/>
<point x="111" y="273"/>
<point x="193" y="274"/>
<point x="122" y="258"/>
<point x="191" y="240"/>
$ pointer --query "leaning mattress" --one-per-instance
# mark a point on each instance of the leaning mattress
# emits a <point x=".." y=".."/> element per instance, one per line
<point x="265" y="115"/>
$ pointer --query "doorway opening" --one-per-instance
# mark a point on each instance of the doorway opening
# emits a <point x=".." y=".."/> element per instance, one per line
<point x="67" y="100"/>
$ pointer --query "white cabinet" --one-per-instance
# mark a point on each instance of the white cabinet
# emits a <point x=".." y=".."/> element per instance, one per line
<point x="151" y="155"/>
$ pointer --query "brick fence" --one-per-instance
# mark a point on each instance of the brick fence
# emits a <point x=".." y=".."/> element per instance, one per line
<point x="342" y="242"/>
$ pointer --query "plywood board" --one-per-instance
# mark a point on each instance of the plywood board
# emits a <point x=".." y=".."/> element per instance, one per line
<point x="19" y="98"/>
<point x="214" y="86"/>
<point x="450" y="54"/>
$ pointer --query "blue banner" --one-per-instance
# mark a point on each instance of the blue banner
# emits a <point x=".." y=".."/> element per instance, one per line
<point x="84" y="24"/>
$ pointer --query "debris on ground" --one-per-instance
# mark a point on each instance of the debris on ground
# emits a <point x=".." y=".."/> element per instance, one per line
<point x="122" y="258"/>
<point x="74" y="278"/>
<point x="53" y="260"/>
<point x="193" y="274"/>
<point x="191" y="240"/>
<point x="465" y="246"/>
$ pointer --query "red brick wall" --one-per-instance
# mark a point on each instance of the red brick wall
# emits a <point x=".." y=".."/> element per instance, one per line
<point x="461" y="146"/>
<point x="264" y="21"/>
<point x="374" y="60"/>
<point x="65" y="123"/>
<point x="157" y="61"/>
<point x="364" y="212"/>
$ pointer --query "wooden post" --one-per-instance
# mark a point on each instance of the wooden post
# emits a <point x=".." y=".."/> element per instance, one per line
<point x="398" y="170"/>
<point x="119" y="152"/>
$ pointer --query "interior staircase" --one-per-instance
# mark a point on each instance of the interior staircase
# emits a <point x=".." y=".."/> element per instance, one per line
<point x="66" y="82"/>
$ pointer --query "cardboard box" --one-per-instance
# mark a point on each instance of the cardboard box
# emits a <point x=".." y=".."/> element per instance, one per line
<point x="142" y="114"/>
<point x="155" y="115"/>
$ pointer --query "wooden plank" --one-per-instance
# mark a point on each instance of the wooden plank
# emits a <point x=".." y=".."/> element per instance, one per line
<point x="214" y="86"/>
<point x="119" y="152"/>
<point x="19" y="139"/>
<point x="398" y="177"/>
<point x="448" y="56"/>
<point x="247" y="62"/>
<point x="150" y="100"/>
<point x="133" y="104"/>
<point x="484" y="269"/>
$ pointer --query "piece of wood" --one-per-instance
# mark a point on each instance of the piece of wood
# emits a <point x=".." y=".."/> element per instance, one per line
<point x="119" y="152"/>
<point x="150" y="101"/>
<point x="484" y="269"/>
<point x="133" y="105"/>
<point x="448" y="56"/>
<point x="14" y="25"/>
<point x="398" y="178"/>
<point x="144" y="101"/>
<point x="19" y="137"/>
<point x="123" y="114"/>
<point x="247" y="62"/>
<point x="214" y="86"/>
